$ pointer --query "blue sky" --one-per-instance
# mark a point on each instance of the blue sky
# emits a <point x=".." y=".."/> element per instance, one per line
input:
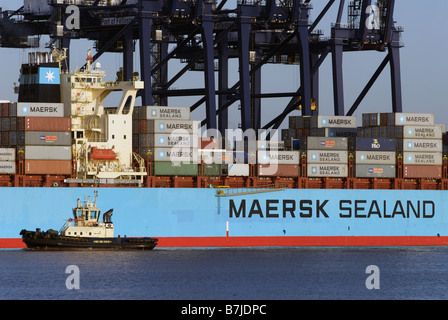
<point x="423" y="67"/>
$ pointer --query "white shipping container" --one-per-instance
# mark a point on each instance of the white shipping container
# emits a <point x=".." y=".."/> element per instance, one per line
<point x="375" y="157"/>
<point x="424" y="145"/>
<point x="176" y="155"/>
<point x="48" y="153"/>
<point x="40" y="109"/>
<point x="238" y="169"/>
<point x="209" y="156"/>
<point x="278" y="157"/>
<point x="270" y="145"/>
<point x="426" y="158"/>
<point x="333" y="122"/>
<point x="423" y="132"/>
<point x="327" y="170"/>
<point x="418" y="119"/>
<point x="327" y="156"/>
<point x="7" y="167"/>
<point x="163" y="112"/>
<point x="7" y="154"/>
<point x="173" y="126"/>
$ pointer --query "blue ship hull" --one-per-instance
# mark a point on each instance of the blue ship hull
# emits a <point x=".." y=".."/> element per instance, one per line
<point x="187" y="217"/>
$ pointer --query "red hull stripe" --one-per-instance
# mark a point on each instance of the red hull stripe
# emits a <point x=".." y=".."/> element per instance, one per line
<point x="170" y="242"/>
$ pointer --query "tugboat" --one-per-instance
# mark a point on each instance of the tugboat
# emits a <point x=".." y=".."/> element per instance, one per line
<point x="85" y="231"/>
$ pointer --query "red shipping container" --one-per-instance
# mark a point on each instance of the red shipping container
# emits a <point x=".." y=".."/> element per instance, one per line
<point x="142" y="125"/>
<point x="47" y="124"/>
<point x="48" y="167"/>
<point x="5" y="110"/>
<point x="421" y="171"/>
<point x="279" y="170"/>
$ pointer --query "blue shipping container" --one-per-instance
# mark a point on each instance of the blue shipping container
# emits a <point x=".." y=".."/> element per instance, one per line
<point x="371" y="144"/>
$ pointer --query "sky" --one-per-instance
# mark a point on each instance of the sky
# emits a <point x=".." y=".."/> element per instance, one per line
<point x="424" y="67"/>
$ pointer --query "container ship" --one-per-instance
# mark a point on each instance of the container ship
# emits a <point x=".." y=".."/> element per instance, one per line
<point x="326" y="182"/>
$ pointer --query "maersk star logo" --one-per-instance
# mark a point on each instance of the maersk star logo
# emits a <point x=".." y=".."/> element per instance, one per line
<point x="162" y="154"/>
<point x="153" y="113"/>
<point x="162" y="140"/>
<point x="409" y="132"/>
<point x="324" y="121"/>
<point x="313" y="156"/>
<point x="162" y="126"/>
<point x="410" y="159"/>
<point x="362" y="157"/>
<point x="410" y="145"/>
<point x="401" y="119"/>
<point x="313" y="170"/>
<point x="49" y="76"/>
<point x="25" y="109"/>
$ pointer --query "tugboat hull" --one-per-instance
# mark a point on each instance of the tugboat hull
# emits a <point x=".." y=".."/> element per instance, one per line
<point x="50" y="241"/>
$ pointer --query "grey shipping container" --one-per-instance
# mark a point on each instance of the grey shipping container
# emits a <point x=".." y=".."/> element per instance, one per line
<point x="163" y="112"/>
<point x="426" y="158"/>
<point x="327" y="170"/>
<point x="48" y="153"/>
<point x="7" y="167"/>
<point x="7" y="154"/>
<point x="238" y="169"/>
<point x="375" y="157"/>
<point x="424" y="145"/>
<point x="325" y="143"/>
<point x="270" y="145"/>
<point x="326" y="156"/>
<point x="41" y="109"/>
<point x="375" y="171"/>
<point x="48" y="138"/>
<point x="371" y="144"/>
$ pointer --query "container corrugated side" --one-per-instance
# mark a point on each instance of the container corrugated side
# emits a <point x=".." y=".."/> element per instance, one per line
<point x="238" y="170"/>
<point x="375" y="157"/>
<point x="327" y="170"/>
<point x="418" y="119"/>
<point x="375" y="144"/>
<point x="44" y="124"/>
<point x="425" y="158"/>
<point x="170" y="126"/>
<point x="422" y="132"/>
<point x="163" y="112"/>
<point x="212" y="169"/>
<point x="375" y="171"/>
<point x="279" y="157"/>
<point x="333" y="122"/>
<point x="48" y="153"/>
<point x="7" y="167"/>
<point x="279" y="170"/>
<point x="48" y="138"/>
<point x="48" y="167"/>
<point x="209" y="156"/>
<point x="185" y="155"/>
<point x="423" y="145"/>
<point x="326" y="156"/>
<point x="324" y="143"/>
<point x="7" y="154"/>
<point x="422" y="171"/>
<point x="166" y="168"/>
<point x="41" y="109"/>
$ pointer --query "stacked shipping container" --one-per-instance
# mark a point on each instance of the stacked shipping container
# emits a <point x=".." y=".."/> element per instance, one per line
<point x="168" y="138"/>
<point x="41" y="134"/>
<point x="418" y="140"/>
